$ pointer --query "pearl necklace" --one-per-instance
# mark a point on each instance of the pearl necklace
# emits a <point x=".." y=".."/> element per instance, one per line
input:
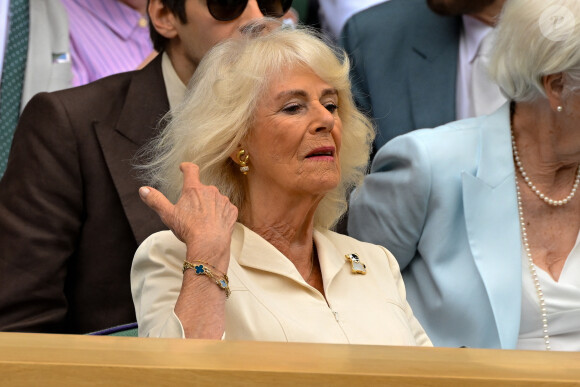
<point x="533" y="271"/>
<point x="534" y="189"/>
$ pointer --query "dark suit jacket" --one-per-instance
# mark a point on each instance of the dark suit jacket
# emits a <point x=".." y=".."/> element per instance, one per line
<point x="404" y="65"/>
<point x="70" y="215"/>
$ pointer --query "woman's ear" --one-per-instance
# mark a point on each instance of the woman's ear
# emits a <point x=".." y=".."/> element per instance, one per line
<point x="554" y="87"/>
<point x="163" y="19"/>
<point x="235" y="154"/>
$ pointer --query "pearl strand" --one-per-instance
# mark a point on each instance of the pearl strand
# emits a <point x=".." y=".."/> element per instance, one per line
<point x="533" y="271"/>
<point x="534" y="189"/>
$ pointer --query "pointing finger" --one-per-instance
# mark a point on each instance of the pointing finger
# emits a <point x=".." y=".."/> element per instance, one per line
<point x="157" y="202"/>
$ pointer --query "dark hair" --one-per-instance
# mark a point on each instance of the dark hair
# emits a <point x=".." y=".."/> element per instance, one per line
<point x="177" y="7"/>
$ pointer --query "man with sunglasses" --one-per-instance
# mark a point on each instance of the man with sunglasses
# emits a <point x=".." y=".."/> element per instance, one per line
<point x="70" y="215"/>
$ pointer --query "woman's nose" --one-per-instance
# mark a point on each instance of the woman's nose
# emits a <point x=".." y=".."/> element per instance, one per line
<point x="324" y="121"/>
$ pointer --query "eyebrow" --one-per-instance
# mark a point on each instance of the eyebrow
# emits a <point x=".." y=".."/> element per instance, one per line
<point x="302" y="93"/>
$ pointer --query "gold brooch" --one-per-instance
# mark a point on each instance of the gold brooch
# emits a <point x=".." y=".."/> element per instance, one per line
<point x="357" y="266"/>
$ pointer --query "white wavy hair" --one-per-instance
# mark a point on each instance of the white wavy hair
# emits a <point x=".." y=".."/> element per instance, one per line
<point x="536" y="38"/>
<point x="218" y="112"/>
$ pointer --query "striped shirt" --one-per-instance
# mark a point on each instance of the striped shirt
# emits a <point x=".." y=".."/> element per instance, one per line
<point x="106" y="37"/>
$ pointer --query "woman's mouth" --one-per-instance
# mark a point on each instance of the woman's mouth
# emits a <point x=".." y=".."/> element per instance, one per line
<point x="323" y="153"/>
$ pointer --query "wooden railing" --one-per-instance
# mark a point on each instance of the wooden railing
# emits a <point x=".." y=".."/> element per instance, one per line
<point x="69" y="360"/>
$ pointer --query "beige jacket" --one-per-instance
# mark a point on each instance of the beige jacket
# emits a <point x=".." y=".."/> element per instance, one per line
<point x="270" y="301"/>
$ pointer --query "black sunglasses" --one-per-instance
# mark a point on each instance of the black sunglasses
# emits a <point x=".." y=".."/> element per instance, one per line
<point x="226" y="10"/>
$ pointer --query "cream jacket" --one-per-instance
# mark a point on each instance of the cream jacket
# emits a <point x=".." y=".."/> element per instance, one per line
<point x="270" y="301"/>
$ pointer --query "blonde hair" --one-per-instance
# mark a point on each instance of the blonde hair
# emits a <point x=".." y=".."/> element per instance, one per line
<point x="536" y="38"/>
<point x="219" y="108"/>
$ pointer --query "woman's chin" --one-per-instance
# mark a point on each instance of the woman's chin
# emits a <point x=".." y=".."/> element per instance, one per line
<point x="325" y="185"/>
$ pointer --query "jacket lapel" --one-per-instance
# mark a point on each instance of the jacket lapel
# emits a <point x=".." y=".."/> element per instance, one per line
<point x="259" y="254"/>
<point x="145" y="104"/>
<point x="491" y="218"/>
<point x="433" y="72"/>
<point x="332" y="259"/>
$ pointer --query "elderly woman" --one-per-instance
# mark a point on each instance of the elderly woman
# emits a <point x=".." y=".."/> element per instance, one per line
<point x="481" y="214"/>
<point x="274" y="143"/>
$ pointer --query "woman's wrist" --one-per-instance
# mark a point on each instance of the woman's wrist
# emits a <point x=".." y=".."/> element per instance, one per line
<point x="203" y="268"/>
<point x="216" y="255"/>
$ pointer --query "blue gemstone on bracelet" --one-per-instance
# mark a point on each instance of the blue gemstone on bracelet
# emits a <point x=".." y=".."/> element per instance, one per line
<point x="199" y="269"/>
<point x="223" y="284"/>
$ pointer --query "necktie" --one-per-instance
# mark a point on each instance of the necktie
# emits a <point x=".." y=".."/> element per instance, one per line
<point x="485" y="94"/>
<point x="13" y="76"/>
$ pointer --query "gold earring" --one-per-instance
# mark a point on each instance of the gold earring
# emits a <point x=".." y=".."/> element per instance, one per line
<point x="243" y="159"/>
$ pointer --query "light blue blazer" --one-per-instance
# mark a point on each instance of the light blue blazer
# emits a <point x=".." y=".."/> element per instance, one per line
<point x="443" y="201"/>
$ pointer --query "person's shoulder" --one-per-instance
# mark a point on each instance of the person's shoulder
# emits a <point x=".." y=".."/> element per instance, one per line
<point x="150" y="76"/>
<point x="396" y="24"/>
<point x="94" y="99"/>
<point x="110" y="86"/>
<point x="443" y="134"/>
<point x="99" y="100"/>
<point x="103" y="98"/>
<point x="370" y="254"/>
<point x="409" y="13"/>
<point x="164" y="237"/>
<point x="160" y="244"/>
<point x="445" y="148"/>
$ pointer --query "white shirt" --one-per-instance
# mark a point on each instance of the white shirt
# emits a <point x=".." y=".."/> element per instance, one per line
<point x="562" y="303"/>
<point x="270" y="301"/>
<point x="334" y="13"/>
<point x="472" y="34"/>
<point x="173" y="85"/>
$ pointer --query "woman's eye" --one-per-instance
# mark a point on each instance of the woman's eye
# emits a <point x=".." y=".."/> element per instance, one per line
<point x="331" y="107"/>
<point x="292" y="108"/>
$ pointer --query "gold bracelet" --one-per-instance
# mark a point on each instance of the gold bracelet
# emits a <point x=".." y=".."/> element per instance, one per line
<point x="212" y="267"/>
<point x="203" y="269"/>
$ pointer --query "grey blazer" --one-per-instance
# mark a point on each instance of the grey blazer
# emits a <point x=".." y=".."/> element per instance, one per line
<point x="48" y="65"/>
<point x="404" y="66"/>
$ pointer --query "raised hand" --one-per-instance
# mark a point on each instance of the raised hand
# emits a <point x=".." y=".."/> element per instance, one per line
<point x="202" y="218"/>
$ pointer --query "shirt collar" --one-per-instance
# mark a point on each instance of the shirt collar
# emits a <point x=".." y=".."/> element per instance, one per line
<point x="252" y="250"/>
<point x="117" y="16"/>
<point x="173" y="84"/>
<point x="475" y="31"/>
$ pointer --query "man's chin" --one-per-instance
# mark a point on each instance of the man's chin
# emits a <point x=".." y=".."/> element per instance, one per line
<point x="458" y="7"/>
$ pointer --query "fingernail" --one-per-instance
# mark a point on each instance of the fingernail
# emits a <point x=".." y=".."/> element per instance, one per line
<point x="144" y="191"/>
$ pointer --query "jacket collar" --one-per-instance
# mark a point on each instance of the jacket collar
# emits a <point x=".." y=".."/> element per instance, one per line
<point x="491" y="218"/>
<point x="433" y="70"/>
<point x="145" y="103"/>
<point x="255" y="252"/>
